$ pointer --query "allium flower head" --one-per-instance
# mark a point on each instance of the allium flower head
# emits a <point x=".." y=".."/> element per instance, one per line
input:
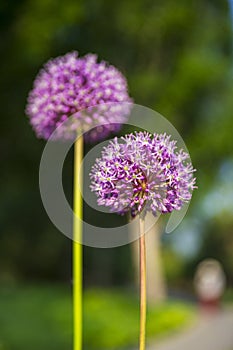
<point x="141" y="171"/>
<point x="72" y="86"/>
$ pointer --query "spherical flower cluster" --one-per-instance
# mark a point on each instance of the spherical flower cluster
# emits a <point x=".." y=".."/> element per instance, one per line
<point x="142" y="172"/>
<point x="91" y="93"/>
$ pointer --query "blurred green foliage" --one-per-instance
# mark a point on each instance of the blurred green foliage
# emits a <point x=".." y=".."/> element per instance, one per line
<point x="177" y="57"/>
<point x="41" y="318"/>
<point x="174" y="266"/>
<point x="228" y="296"/>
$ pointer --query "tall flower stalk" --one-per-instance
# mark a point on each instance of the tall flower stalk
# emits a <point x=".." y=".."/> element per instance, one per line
<point x="142" y="173"/>
<point x="73" y="96"/>
<point x="77" y="245"/>
<point x="142" y="255"/>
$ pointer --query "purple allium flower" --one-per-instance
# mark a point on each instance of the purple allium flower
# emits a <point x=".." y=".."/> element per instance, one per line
<point x="67" y="86"/>
<point x="141" y="171"/>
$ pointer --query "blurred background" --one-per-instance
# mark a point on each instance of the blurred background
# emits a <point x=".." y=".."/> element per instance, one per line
<point x="178" y="59"/>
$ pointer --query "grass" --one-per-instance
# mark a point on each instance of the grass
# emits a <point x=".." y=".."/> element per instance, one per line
<point x="41" y="318"/>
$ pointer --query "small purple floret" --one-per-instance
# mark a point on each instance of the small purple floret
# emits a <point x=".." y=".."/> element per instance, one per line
<point x="141" y="172"/>
<point x="67" y="86"/>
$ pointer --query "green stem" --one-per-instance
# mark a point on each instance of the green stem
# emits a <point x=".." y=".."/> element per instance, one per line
<point x="142" y="252"/>
<point x="77" y="246"/>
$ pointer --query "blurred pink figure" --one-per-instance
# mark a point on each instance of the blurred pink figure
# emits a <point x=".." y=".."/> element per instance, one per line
<point x="209" y="283"/>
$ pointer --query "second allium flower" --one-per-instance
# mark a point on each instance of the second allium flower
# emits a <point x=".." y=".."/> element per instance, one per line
<point x="92" y="93"/>
<point x="141" y="171"/>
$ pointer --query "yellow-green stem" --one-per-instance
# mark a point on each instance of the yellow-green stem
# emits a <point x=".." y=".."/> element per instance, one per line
<point x="77" y="246"/>
<point x="142" y="253"/>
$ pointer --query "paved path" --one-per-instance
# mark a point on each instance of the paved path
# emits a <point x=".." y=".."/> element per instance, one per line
<point x="211" y="332"/>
